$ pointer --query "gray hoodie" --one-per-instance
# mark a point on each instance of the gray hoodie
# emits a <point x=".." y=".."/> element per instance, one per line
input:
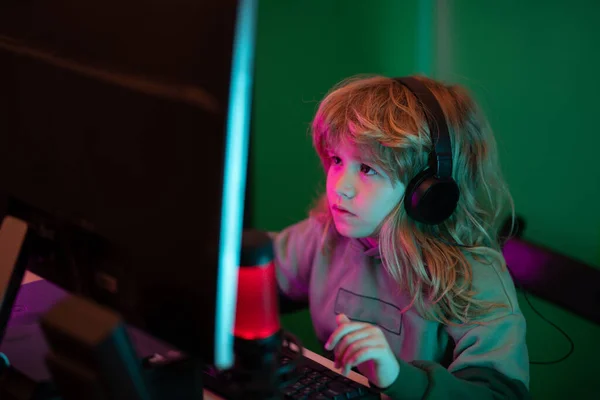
<point x="436" y="361"/>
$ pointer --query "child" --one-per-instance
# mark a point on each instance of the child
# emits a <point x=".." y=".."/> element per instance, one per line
<point x="402" y="268"/>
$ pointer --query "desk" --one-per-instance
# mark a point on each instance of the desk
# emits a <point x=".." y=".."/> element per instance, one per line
<point x="29" y="278"/>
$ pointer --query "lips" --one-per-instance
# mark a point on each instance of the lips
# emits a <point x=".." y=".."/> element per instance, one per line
<point x="342" y="210"/>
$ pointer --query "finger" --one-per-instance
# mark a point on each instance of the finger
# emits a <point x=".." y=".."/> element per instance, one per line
<point x="342" y="331"/>
<point x="342" y="319"/>
<point x="354" y="348"/>
<point x="365" y="354"/>
<point x="350" y="338"/>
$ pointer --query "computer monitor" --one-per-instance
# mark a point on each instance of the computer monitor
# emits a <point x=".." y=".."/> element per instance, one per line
<point x="123" y="144"/>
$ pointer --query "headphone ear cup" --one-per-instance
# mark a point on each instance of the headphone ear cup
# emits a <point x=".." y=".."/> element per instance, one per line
<point x="413" y="194"/>
<point x="430" y="200"/>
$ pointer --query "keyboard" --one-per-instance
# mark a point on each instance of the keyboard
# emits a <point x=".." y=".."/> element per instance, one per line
<point x="311" y="381"/>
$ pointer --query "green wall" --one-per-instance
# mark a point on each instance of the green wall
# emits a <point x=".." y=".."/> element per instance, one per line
<point x="531" y="64"/>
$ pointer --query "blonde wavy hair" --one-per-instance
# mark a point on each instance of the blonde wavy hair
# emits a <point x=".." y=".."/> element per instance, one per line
<point x="384" y="119"/>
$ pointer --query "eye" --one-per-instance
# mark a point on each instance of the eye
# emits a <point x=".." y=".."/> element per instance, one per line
<point x="336" y="160"/>
<point x="365" y="169"/>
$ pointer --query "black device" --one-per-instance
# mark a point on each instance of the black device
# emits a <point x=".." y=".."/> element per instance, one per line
<point x="123" y="144"/>
<point x="432" y="195"/>
<point x="92" y="355"/>
<point x="123" y="147"/>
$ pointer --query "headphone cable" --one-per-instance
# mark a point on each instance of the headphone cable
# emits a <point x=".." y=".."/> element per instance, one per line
<point x="539" y="314"/>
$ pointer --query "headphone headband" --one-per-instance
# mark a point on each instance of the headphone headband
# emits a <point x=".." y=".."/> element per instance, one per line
<point x="431" y="196"/>
<point x="441" y="155"/>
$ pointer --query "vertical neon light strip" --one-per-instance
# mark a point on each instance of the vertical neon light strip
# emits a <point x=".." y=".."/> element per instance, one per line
<point x="234" y="180"/>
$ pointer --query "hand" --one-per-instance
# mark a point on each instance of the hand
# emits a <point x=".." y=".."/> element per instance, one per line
<point x="364" y="346"/>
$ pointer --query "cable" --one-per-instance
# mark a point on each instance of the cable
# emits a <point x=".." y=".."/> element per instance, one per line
<point x="571" y="343"/>
<point x="518" y="284"/>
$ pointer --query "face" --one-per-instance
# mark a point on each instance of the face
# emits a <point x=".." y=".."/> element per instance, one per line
<point x="360" y="194"/>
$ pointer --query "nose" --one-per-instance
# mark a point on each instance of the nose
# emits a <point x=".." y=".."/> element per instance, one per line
<point x="345" y="185"/>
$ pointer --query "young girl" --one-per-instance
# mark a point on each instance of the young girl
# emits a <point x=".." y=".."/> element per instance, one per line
<point x="421" y="303"/>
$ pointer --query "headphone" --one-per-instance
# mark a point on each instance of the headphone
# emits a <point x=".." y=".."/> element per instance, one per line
<point x="432" y="195"/>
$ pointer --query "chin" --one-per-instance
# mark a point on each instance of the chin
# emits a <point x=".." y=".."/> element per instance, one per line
<point x="351" y="232"/>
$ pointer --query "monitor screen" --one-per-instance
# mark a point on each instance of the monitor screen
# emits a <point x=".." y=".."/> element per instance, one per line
<point x="123" y="144"/>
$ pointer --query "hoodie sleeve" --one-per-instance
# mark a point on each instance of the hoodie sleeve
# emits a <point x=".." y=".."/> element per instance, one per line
<point x="490" y="358"/>
<point x="295" y="248"/>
